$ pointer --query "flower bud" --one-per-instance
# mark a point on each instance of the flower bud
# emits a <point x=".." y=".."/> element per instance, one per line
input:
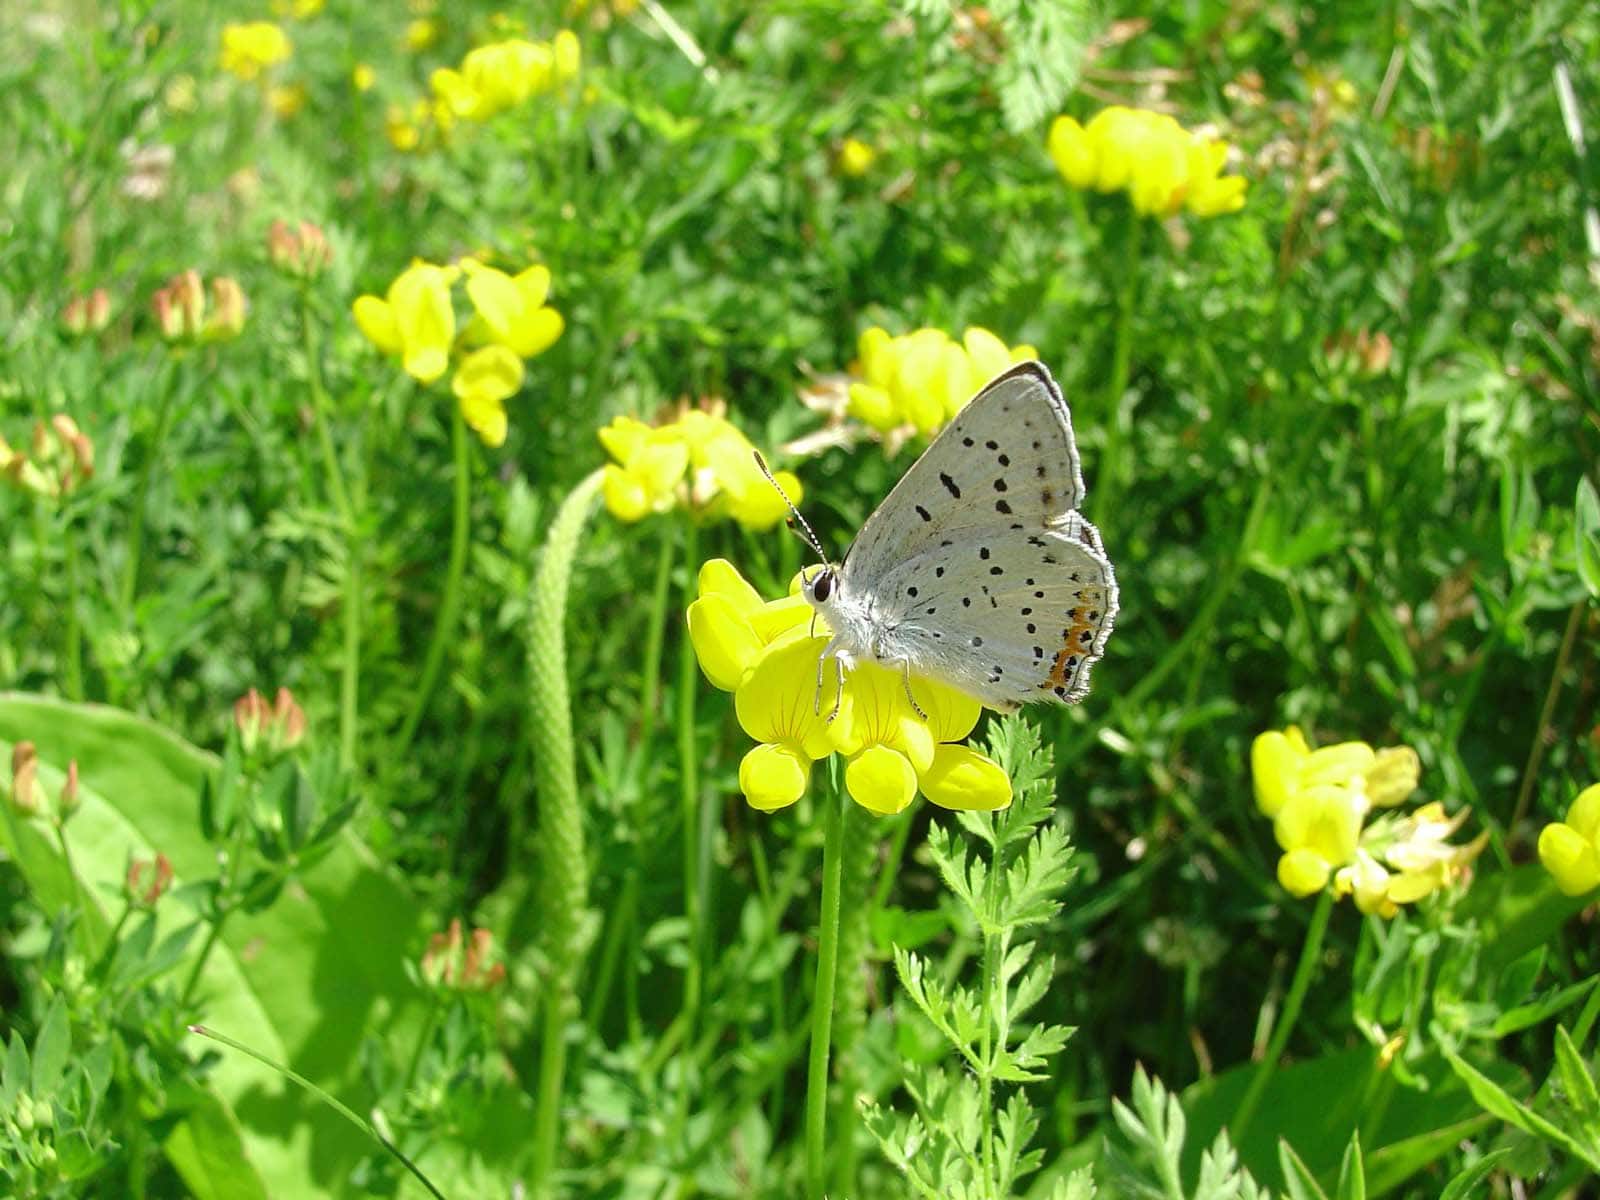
<point x="288" y="727"/>
<point x="180" y="307"/>
<point x="439" y="959"/>
<point x="24" y="777"/>
<point x="75" y="463"/>
<point x="87" y="314"/>
<point x="227" y="319"/>
<point x="250" y="718"/>
<point x="147" y="881"/>
<point x="69" y="800"/>
<point x="450" y="963"/>
<point x="300" y="251"/>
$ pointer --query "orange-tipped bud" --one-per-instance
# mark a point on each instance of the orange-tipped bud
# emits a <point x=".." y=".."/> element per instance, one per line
<point x="301" y="251"/>
<point x="148" y="880"/>
<point x="87" y="314"/>
<point x="69" y="799"/>
<point x="250" y="717"/>
<point x="288" y="722"/>
<point x="228" y="309"/>
<point x="24" y="778"/>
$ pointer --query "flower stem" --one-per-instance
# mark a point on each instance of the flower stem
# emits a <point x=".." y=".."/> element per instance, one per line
<point x="689" y="794"/>
<point x="1112" y="468"/>
<point x="350" y="669"/>
<point x="165" y="386"/>
<point x="72" y="644"/>
<point x="564" y="892"/>
<point x="311" y="1088"/>
<point x="1310" y="953"/>
<point x="450" y="608"/>
<point x="822" y="996"/>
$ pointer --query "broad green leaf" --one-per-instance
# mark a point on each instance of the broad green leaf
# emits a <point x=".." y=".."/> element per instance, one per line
<point x="1574" y="1072"/>
<point x="302" y="981"/>
<point x="207" y="1150"/>
<point x="1397" y="1162"/>
<point x="1497" y="1101"/>
<point x="1525" y="1016"/>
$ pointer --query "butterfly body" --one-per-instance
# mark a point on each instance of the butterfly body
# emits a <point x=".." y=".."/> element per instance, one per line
<point x="977" y="570"/>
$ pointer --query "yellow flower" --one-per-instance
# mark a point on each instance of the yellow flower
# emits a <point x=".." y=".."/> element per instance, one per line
<point x="482" y="383"/>
<point x="1570" y="849"/>
<point x="1318" y="830"/>
<point x="1403" y="859"/>
<point x="511" y="308"/>
<point x="855" y="158"/>
<point x="421" y="33"/>
<point x="922" y="379"/>
<point x="363" y="77"/>
<point x="415" y="321"/>
<point x="768" y="655"/>
<point x="1318" y="801"/>
<point x="287" y="100"/>
<point x="249" y="49"/>
<point x="650" y="464"/>
<point x="1162" y="166"/>
<point x="568" y="55"/>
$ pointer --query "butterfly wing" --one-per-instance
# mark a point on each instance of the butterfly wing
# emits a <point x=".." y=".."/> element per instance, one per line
<point x="1009" y="616"/>
<point x="1007" y="458"/>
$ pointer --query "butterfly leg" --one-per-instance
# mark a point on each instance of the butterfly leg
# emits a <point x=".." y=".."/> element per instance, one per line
<point x="915" y="707"/>
<point x="830" y="651"/>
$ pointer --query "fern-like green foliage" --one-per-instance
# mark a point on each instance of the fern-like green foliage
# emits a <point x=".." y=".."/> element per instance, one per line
<point x="1154" y="1129"/>
<point x="1044" y="45"/>
<point x="963" y="1140"/>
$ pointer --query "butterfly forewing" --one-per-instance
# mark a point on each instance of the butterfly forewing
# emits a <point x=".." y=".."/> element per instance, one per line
<point x="1007" y="458"/>
<point x="977" y="569"/>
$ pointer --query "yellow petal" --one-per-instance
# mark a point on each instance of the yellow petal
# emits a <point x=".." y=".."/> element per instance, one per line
<point x="1274" y="770"/>
<point x="988" y="353"/>
<point x="536" y="332"/>
<point x="1392" y="776"/>
<point x="623" y="437"/>
<point x="1570" y="858"/>
<point x="881" y="780"/>
<point x="625" y="497"/>
<point x="964" y="779"/>
<point x="1324" y="819"/>
<point x="567" y="53"/>
<point x="420" y="299"/>
<point x="1072" y="152"/>
<point x="1302" y="872"/>
<point x="375" y="319"/>
<point x="724" y="643"/>
<point x="952" y="714"/>
<point x="1340" y="764"/>
<point x="1584" y="815"/>
<point x="872" y="405"/>
<point x="719" y="576"/>
<point x="495" y="296"/>
<point x="778" y="699"/>
<point x="491" y="374"/>
<point x="773" y="776"/>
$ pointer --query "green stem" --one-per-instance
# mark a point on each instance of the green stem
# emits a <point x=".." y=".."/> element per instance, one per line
<point x="429" y="1023"/>
<point x="366" y="1127"/>
<point x="689" y="791"/>
<point x="213" y="936"/>
<point x="1112" y="468"/>
<point x="350" y="669"/>
<point x="994" y="1014"/>
<point x="822" y="997"/>
<point x="165" y="386"/>
<point x="1310" y="953"/>
<point x="450" y="608"/>
<point x="564" y="892"/>
<point x="72" y="643"/>
<point x="1546" y="716"/>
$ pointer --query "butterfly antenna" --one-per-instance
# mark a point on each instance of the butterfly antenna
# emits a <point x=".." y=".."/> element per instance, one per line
<point x="796" y="521"/>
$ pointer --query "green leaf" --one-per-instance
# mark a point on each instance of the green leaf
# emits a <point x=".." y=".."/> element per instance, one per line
<point x="51" y="1049"/>
<point x="1496" y="1101"/>
<point x="1299" y="1179"/>
<point x="296" y="980"/>
<point x="1576" y="1081"/>
<point x="14" y="1075"/>
<point x="1352" y="1172"/>
<point x="1525" y="1016"/>
<point x="1465" y="1184"/>
<point x="1586" y="535"/>
<point x="207" y="1150"/>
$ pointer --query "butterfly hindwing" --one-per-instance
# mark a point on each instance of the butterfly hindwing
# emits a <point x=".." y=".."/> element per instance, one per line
<point x="1010" y="617"/>
<point x="1008" y="457"/>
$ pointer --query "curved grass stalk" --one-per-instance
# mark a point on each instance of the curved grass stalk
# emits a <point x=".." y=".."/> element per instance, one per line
<point x="564" y="892"/>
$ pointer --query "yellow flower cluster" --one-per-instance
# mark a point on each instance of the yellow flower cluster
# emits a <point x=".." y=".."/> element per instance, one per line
<point x="416" y="322"/>
<point x="923" y="379"/>
<point x="1318" y="801"/>
<point x="766" y="653"/>
<point x="490" y="80"/>
<point x="1162" y="166"/>
<point x="1570" y="849"/>
<point x="251" y="48"/>
<point x="698" y="459"/>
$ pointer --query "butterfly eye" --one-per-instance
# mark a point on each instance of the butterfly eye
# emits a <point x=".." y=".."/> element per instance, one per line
<point x="822" y="586"/>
